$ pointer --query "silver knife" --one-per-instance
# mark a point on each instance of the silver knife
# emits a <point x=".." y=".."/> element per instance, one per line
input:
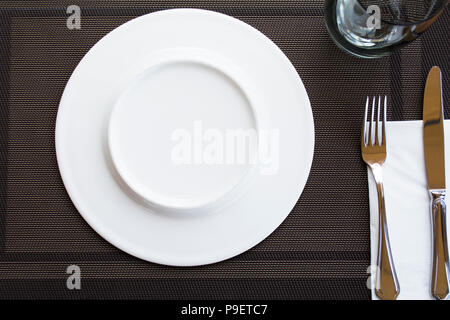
<point x="433" y="138"/>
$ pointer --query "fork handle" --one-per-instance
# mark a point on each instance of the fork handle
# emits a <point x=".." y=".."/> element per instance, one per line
<point x="440" y="276"/>
<point x="387" y="286"/>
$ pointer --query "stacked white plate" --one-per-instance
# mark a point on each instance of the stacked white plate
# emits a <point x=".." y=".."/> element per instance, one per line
<point x="148" y="129"/>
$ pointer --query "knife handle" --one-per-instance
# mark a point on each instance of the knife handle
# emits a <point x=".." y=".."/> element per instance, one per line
<point x="440" y="277"/>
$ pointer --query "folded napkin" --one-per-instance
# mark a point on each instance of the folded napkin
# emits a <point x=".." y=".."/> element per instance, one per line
<point x="407" y="208"/>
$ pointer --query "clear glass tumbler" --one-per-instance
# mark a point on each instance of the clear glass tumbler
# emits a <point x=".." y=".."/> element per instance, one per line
<point x="374" y="28"/>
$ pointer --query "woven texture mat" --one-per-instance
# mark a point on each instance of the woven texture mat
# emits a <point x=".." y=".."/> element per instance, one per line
<point x="321" y="251"/>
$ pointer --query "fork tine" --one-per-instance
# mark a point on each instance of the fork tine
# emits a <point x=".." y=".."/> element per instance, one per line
<point x="364" y="125"/>
<point x="371" y="126"/>
<point x="384" y="122"/>
<point x="377" y="129"/>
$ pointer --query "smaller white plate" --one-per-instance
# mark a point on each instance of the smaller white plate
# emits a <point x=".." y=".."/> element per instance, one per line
<point x="173" y="81"/>
<point x="181" y="90"/>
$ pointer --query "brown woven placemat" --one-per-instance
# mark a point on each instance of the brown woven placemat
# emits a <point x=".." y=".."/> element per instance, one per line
<point x="321" y="251"/>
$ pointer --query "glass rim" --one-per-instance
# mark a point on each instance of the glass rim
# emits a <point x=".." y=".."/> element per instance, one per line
<point x="441" y="9"/>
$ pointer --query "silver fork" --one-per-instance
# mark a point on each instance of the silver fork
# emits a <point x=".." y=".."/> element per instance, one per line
<point x="373" y="149"/>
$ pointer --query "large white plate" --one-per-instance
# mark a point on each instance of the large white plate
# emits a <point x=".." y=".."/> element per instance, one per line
<point x="188" y="70"/>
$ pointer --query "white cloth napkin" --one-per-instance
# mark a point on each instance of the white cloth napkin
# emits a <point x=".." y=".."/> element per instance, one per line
<point x="407" y="208"/>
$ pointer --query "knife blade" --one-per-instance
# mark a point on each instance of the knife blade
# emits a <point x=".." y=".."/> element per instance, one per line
<point x="433" y="130"/>
<point x="434" y="149"/>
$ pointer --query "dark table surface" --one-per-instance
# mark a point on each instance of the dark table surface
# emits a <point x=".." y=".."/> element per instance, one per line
<point x="321" y="251"/>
